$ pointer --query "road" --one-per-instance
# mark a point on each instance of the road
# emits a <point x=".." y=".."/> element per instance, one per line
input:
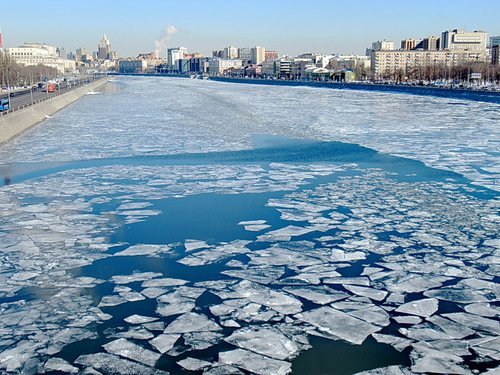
<point x="37" y="95"/>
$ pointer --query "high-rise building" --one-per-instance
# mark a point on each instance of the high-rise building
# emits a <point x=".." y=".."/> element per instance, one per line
<point x="175" y="54"/>
<point x="460" y="40"/>
<point x="383" y="45"/>
<point x="230" y="53"/>
<point x="258" y="55"/>
<point x="1" y="40"/>
<point x="245" y="54"/>
<point x="431" y="43"/>
<point x="409" y="44"/>
<point x="104" y="48"/>
<point x="494" y="40"/>
<point x="495" y="54"/>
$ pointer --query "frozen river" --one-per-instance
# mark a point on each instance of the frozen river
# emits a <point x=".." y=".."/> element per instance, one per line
<point x="175" y="225"/>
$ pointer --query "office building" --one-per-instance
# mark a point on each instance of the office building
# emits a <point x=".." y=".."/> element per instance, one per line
<point x="173" y="55"/>
<point x="245" y="55"/>
<point x="460" y="40"/>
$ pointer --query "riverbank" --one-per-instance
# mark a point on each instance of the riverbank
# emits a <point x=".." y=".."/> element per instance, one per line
<point x="475" y="95"/>
<point x="15" y="123"/>
<point x="464" y="94"/>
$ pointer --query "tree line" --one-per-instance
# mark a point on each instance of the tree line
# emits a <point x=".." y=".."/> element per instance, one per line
<point x="14" y="74"/>
<point x="460" y="72"/>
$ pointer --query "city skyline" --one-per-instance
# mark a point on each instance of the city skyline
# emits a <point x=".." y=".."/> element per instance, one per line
<point x="324" y="27"/>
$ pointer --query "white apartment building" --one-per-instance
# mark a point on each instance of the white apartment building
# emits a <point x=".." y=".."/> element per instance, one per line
<point x="456" y="47"/>
<point x="31" y="54"/>
<point x="383" y="62"/>
<point x="218" y="66"/>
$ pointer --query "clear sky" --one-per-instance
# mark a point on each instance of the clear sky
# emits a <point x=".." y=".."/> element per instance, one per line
<point x="288" y="26"/>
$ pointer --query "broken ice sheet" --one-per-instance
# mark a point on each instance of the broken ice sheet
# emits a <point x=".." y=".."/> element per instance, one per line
<point x="181" y="300"/>
<point x="390" y="370"/>
<point x="128" y="349"/>
<point x="192" y="245"/>
<point x="458" y="295"/>
<point x="284" y="234"/>
<point x="429" y="360"/>
<point x="398" y="343"/>
<point x="140" y="319"/>
<point x="143" y="249"/>
<point x="261" y="275"/>
<point x="165" y="282"/>
<point x="216" y="254"/>
<point x="193" y="364"/>
<point x="111" y="364"/>
<point x="192" y="322"/>
<point x="320" y="295"/>
<point x="483" y="309"/>
<point x="60" y="365"/>
<point x="139" y="276"/>
<point x="259" y="294"/>
<point x="375" y="294"/>
<point x="424" y="307"/>
<point x="164" y="342"/>
<point x="264" y="340"/>
<point x="255" y="363"/>
<point x="254" y="225"/>
<point x="339" y="324"/>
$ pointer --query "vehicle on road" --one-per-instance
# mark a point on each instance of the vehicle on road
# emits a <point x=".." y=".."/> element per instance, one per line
<point x="4" y="105"/>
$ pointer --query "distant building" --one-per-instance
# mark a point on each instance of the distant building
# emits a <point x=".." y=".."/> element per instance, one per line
<point x="104" y="49"/>
<point x="430" y="43"/>
<point x="383" y="45"/>
<point x="409" y="44"/>
<point x="258" y="55"/>
<point x="495" y="54"/>
<point x="245" y="54"/>
<point x="270" y="55"/>
<point x="217" y="66"/>
<point x="460" y="40"/>
<point x="350" y="62"/>
<point x="388" y="62"/>
<point x="230" y="53"/>
<point x="132" y="66"/>
<point x="31" y="54"/>
<point x="1" y="40"/>
<point x="174" y="54"/>
<point x="494" y="41"/>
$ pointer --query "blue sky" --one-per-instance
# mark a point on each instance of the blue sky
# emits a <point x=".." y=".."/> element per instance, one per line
<point x="288" y="26"/>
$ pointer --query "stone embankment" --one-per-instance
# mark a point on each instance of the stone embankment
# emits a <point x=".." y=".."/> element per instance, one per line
<point x="14" y="123"/>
